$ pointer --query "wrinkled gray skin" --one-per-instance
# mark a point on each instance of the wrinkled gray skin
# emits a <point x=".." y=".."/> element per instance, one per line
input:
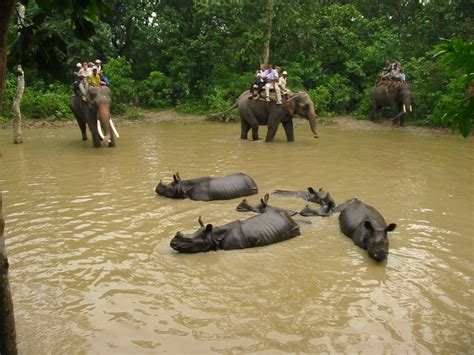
<point x="395" y="96"/>
<point x="326" y="210"/>
<point x="263" y="229"/>
<point x="254" y="113"/>
<point x="96" y="108"/>
<point x="262" y="207"/>
<point x="320" y="197"/>
<point x="209" y="188"/>
<point x="367" y="228"/>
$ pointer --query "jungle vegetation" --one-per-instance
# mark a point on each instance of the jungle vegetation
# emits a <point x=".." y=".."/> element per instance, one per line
<point x="198" y="55"/>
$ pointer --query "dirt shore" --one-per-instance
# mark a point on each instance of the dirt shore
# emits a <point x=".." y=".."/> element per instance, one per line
<point x="343" y="122"/>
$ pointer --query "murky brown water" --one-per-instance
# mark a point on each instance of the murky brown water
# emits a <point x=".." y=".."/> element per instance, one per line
<point x="92" y="270"/>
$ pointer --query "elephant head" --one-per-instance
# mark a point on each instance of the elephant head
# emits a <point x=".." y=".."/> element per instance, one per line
<point x="405" y="93"/>
<point x="171" y="190"/>
<point x="99" y="99"/>
<point x="301" y="104"/>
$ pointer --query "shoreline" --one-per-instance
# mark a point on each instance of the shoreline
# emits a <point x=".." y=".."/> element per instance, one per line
<point x="345" y="122"/>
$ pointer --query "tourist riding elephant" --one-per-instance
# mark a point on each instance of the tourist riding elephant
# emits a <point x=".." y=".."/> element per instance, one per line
<point x="396" y="95"/>
<point x="95" y="112"/>
<point x="257" y="112"/>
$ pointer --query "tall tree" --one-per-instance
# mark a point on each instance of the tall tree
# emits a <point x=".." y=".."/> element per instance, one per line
<point x="268" y="32"/>
<point x="17" y="139"/>
<point x="6" y="11"/>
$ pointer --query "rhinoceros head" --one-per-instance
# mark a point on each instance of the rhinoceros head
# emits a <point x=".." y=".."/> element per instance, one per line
<point x="197" y="242"/>
<point x="171" y="190"/>
<point x="377" y="240"/>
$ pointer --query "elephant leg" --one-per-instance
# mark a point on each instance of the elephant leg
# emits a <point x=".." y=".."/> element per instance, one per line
<point x="112" y="141"/>
<point x="253" y="123"/>
<point x="96" y="141"/>
<point x="272" y="129"/>
<point x="396" y="110"/>
<point x="289" y="130"/>
<point x="83" y="128"/>
<point x="244" y="129"/>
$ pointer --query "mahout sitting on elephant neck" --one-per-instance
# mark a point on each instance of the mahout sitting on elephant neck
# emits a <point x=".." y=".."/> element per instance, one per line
<point x="260" y="230"/>
<point x="208" y="188"/>
<point x="366" y="227"/>
<point x="262" y="207"/>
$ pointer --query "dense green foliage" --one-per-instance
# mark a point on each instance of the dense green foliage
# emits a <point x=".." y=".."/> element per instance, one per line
<point x="199" y="56"/>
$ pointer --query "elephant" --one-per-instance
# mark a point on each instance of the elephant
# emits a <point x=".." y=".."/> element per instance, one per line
<point x="208" y="188"/>
<point x="367" y="228"/>
<point x="397" y="95"/>
<point x="320" y="197"/>
<point x="262" y="207"/>
<point x="254" y="112"/>
<point x="95" y="112"/>
<point x="263" y="229"/>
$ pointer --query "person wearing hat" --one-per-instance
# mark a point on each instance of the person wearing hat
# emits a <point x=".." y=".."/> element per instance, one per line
<point x="98" y="65"/>
<point x="282" y="82"/>
<point x="83" y="74"/>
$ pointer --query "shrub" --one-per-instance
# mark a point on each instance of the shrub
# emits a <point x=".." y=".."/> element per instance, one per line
<point x="124" y="90"/>
<point x="155" y="91"/>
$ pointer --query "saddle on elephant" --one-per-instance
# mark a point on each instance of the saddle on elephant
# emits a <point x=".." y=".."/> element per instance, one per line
<point x="390" y="81"/>
<point x="273" y="96"/>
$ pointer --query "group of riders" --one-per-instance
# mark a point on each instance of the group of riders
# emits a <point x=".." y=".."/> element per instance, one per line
<point x="392" y="72"/>
<point x="268" y="78"/>
<point x="89" y="74"/>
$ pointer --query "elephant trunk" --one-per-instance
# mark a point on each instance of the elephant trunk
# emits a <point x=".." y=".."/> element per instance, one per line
<point x="312" y="122"/>
<point x="103" y="124"/>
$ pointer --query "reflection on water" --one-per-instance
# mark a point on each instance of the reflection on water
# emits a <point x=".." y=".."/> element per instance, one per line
<point x="92" y="270"/>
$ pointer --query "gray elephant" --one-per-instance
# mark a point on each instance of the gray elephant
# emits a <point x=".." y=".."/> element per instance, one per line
<point x="263" y="229"/>
<point x="396" y="95"/>
<point x="95" y="113"/>
<point x="254" y="113"/>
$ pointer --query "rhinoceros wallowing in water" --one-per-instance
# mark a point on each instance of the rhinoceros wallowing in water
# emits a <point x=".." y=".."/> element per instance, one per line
<point x="366" y="227"/>
<point x="263" y="229"/>
<point x="209" y="188"/>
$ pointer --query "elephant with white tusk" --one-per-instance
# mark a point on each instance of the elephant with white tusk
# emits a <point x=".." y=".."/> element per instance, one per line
<point x="95" y="113"/>
<point x="396" y="95"/>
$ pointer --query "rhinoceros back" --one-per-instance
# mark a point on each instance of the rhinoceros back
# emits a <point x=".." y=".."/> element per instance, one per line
<point x="355" y="214"/>
<point x="268" y="228"/>
<point x="231" y="186"/>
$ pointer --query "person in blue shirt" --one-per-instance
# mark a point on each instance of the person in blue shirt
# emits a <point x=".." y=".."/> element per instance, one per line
<point x="272" y="82"/>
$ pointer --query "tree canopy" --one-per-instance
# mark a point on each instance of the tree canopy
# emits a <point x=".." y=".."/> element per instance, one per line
<point x="199" y="55"/>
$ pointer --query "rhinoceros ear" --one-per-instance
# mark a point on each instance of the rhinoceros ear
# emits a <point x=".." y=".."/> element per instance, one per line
<point x="368" y="225"/>
<point x="390" y="227"/>
<point x="175" y="179"/>
<point x="209" y="228"/>
<point x="311" y="190"/>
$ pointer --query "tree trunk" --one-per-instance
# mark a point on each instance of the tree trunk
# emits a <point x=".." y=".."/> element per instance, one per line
<point x="17" y="139"/>
<point x="268" y="32"/>
<point x="6" y="11"/>
<point x="20" y="88"/>
<point x="7" y="319"/>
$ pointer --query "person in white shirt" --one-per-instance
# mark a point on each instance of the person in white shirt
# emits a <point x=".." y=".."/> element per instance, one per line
<point x="272" y="79"/>
<point x="282" y="82"/>
<point x="83" y="75"/>
<point x="98" y="65"/>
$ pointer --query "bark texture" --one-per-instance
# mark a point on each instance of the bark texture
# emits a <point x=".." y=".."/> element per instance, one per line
<point x="268" y="32"/>
<point x="7" y="319"/>
<point x="6" y="11"/>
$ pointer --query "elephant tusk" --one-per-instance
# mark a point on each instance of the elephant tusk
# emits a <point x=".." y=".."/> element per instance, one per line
<point x="404" y="108"/>
<point x="410" y="108"/>
<point x="113" y="129"/>
<point x="99" y="129"/>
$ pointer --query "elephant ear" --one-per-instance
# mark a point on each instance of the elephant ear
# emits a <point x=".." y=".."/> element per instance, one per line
<point x="291" y="105"/>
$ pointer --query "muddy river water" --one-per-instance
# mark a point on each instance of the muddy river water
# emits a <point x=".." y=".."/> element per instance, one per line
<point x="92" y="270"/>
